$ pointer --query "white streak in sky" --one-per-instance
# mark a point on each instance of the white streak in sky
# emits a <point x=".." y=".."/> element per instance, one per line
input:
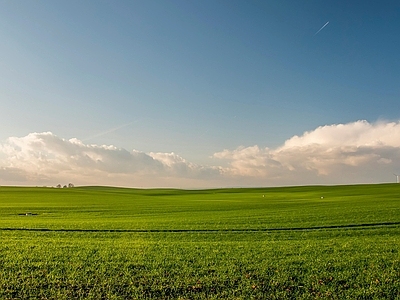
<point x="321" y="28"/>
<point x="108" y="131"/>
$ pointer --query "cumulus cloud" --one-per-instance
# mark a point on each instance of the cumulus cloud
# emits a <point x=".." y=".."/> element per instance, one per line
<point x="40" y="157"/>
<point x="342" y="153"/>
<point x="357" y="152"/>
<point x="13" y="174"/>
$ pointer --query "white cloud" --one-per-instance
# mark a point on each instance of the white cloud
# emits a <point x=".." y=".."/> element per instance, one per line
<point x="342" y="153"/>
<point x="46" y="157"/>
<point x="358" y="134"/>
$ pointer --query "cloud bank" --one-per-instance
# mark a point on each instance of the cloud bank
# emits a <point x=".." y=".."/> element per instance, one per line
<point x="46" y="158"/>
<point x="357" y="152"/>
<point x="344" y="153"/>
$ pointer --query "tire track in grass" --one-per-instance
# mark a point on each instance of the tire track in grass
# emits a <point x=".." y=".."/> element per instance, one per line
<point x="347" y="226"/>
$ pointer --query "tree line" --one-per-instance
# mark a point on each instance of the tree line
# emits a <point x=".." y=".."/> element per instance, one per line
<point x="59" y="186"/>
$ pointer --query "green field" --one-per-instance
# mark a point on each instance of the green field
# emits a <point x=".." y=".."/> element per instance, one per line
<point x="332" y="242"/>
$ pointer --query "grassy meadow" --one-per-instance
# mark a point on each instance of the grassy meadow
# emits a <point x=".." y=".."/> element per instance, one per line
<point x="330" y="242"/>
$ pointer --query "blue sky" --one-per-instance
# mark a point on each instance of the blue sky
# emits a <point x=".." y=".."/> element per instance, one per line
<point x="195" y="78"/>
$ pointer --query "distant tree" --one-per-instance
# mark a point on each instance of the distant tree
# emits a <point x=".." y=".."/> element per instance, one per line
<point x="64" y="187"/>
<point x="58" y="186"/>
<point x="70" y="185"/>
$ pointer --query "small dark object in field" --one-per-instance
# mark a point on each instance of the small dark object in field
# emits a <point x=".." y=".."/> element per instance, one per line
<point x="28" y="214"/>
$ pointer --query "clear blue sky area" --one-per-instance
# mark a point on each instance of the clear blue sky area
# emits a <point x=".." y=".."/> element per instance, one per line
<point x="195" y="77"/>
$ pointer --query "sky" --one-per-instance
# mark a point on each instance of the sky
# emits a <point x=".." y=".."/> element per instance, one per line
<point x="199" y="94"/>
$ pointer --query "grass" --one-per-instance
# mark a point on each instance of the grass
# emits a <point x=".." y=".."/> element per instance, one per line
<point x="267" y="243"/>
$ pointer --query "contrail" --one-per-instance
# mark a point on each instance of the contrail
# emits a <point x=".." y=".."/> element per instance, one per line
<point x="321" y="28"/>
<point x="108" y="131"/>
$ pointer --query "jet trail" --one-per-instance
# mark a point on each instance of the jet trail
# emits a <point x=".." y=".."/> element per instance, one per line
<point x="109" y="131"/>
<point x="321" y="28"/>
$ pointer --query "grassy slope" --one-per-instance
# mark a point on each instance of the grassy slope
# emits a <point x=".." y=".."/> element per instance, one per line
<point x="353" y="263"/>
<point x="111" y="208"/>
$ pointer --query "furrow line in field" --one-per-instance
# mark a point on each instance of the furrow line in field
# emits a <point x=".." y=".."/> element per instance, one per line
<point x="348" y="226"/>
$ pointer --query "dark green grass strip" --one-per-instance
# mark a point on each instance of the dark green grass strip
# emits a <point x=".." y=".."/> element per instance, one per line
<point x="348" y="226"/>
